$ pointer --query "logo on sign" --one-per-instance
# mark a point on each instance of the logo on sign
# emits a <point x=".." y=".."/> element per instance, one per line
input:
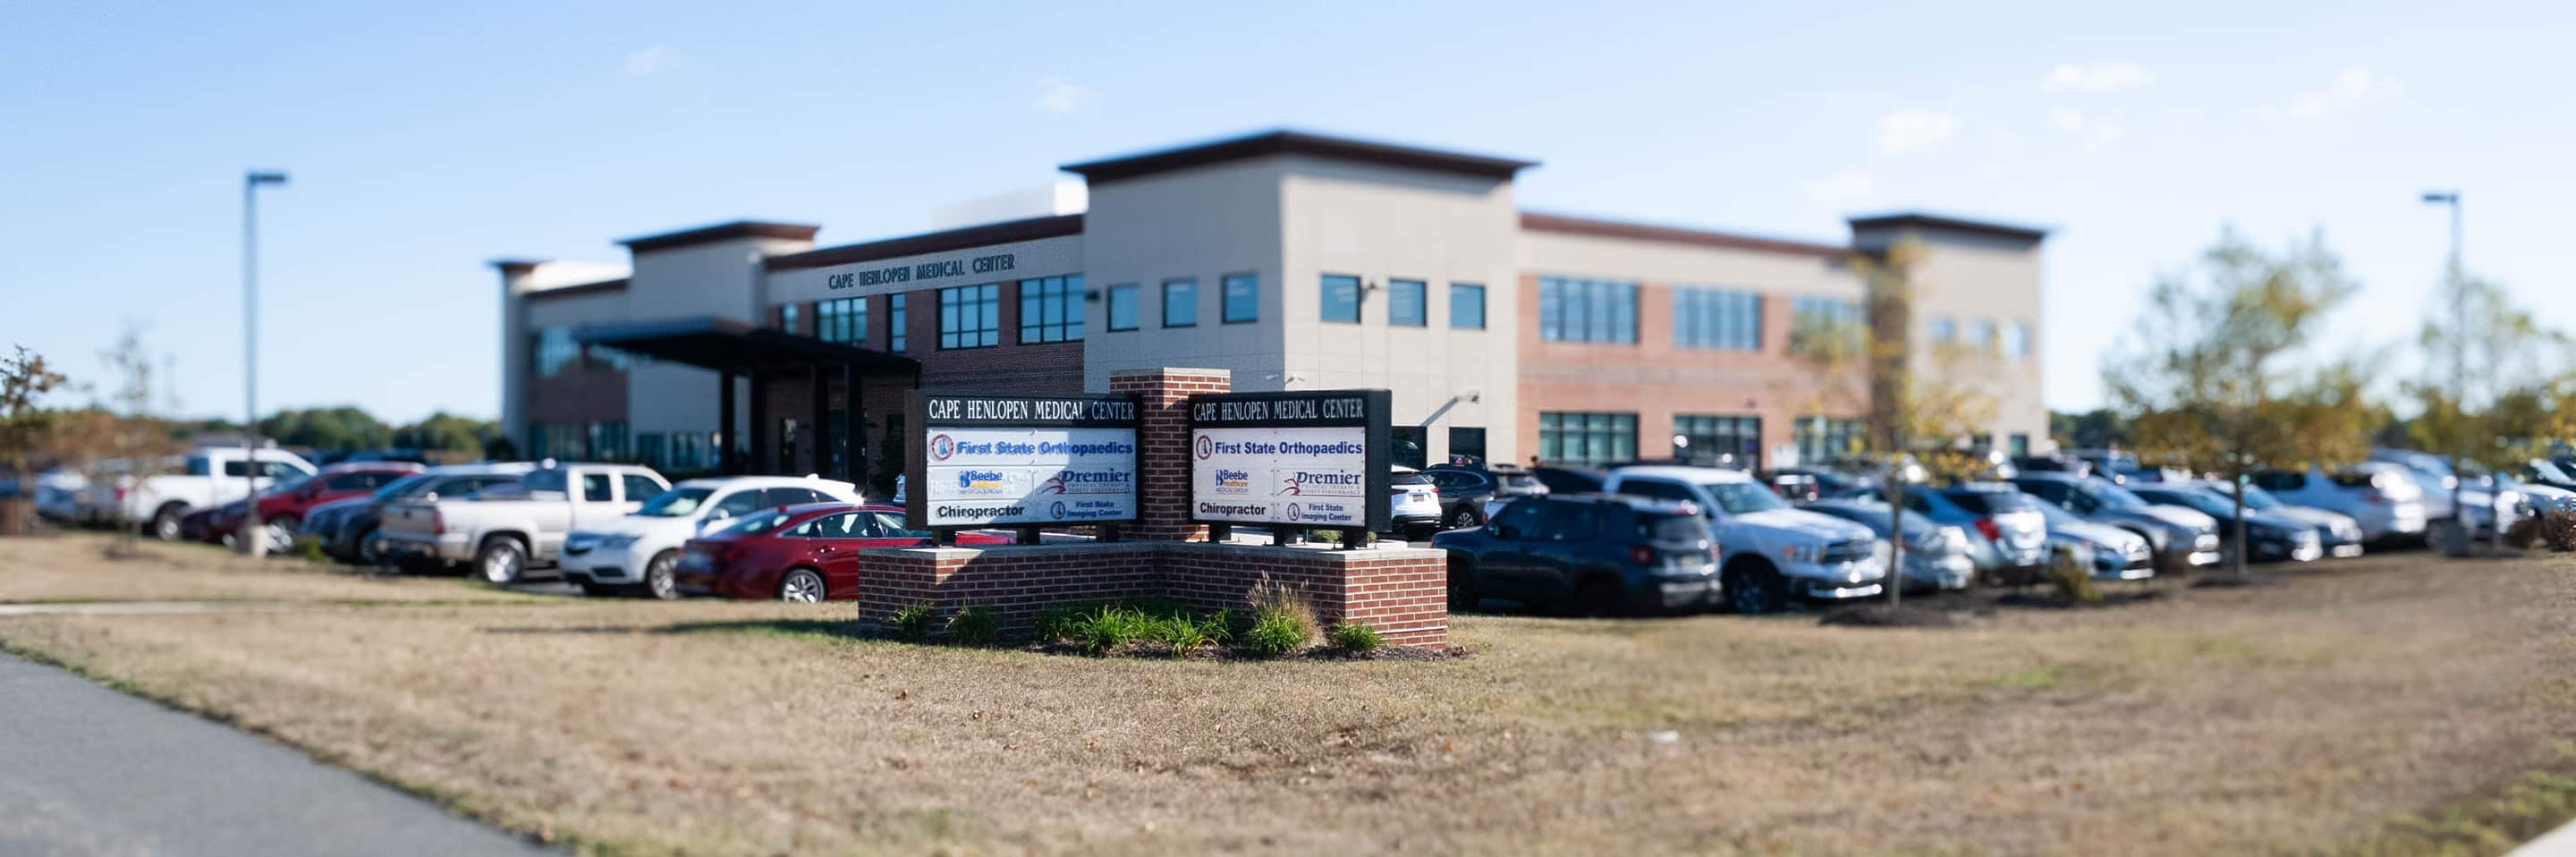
<point x="1295" y="514"/>
<point x="1302" y="482"/>
<point x="1207" y="447"/>
<point x="941" y="447"/>
<point x="1233" y="481"/>
<point x="1057" y="510"/>
<point x="1086" y="482"/>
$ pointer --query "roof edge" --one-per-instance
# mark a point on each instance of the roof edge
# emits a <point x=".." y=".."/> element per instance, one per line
<point x="1532" y="221"/>
<point x="578" y="289"/>
<point x="721" y="232"/>
<point x="1291" y="142"/>
<point x="1947" y="223"/>
<point x="983" y="235"/>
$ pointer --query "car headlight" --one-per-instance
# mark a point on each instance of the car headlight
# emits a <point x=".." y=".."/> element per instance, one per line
<point x="616" y="541"/>
<point x="1801" y="553"/>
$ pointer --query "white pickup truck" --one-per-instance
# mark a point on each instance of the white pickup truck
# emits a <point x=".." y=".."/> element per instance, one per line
<point x="1768" y="552"/>
<point x="210" y="476"/>
<point x="503" y="534"/>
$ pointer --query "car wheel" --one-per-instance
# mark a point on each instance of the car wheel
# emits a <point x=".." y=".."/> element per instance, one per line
<point x="367" y="553"/>
<point x="1462" y="519"/>
<point x="500" y="561"/>
<point x="281" y="534"/>
<point x="801" y="586"/>
<point x="165" y="523"/>
<point x="1756" y="589"/>
<point x="660" y="576"/>
<point x="1463" y="592"/>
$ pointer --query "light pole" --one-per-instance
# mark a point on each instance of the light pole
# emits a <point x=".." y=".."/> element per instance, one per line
<point x="253" y="539"/>
<point x="2459" y="348"/>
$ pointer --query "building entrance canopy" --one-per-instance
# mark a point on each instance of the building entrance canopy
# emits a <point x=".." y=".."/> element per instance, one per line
<point x="740" y="349"/>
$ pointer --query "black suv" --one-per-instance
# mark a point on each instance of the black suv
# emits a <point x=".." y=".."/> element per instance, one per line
<point x="1592" y="555"/>
<point x="1466" y="488"/>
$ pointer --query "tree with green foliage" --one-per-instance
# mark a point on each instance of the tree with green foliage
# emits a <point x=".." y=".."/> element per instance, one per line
<point x="2216" y="376"/>
<point x="24" y="378"/>
<point x="2099" y="428"/>
<point x="445" y="432"/>
<point x="345" y="427"/>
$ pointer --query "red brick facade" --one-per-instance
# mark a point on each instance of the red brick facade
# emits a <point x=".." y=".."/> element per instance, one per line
<point x="1401" y="592"/>
<point x="1163" y="447"/>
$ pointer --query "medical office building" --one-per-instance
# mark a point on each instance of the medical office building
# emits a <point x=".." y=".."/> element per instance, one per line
<point x="1292" y="260"/>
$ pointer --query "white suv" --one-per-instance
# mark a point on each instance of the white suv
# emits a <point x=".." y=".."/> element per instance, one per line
<point x="640" y="552"/>
<point x="1767" y="551"/>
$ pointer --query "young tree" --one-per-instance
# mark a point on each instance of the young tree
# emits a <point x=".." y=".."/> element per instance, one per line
<point x="1915" y="416"/>
<point x="2215" y="377"/>
<point x="2491" y="378"/>
<point x="23" y="424"/>
<point x="141" y="435"/>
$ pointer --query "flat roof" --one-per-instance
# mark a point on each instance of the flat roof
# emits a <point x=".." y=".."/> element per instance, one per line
<point x="1289" y="142"/>
<point x="1031" y="229"/>
<point x="731" y="345"/>
<point x="721" y="232"/>
<point x="601" y="287"/>
<point x="1946" y="223"/>
<point x="1532" y="221"/>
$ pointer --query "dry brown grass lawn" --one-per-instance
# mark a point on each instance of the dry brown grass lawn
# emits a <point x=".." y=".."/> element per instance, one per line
<point x="2274" y="719"/>
<point x="72" y="567"/>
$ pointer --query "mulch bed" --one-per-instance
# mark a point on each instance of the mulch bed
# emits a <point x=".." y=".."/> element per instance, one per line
<point x="1884" y="616"/>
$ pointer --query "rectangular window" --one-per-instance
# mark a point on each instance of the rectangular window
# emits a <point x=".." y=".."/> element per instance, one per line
<point x="1181" y="303"/>
<point x="1341" y="298"/>
<point x="1811" y="318"/>
<point x="843" y="320"/>
<point x="648" y="448"/>
<point x="1943" y="330"/>
<point x="1466" y="306"/>
<point x="554" y="351"/>
<point x="1242" y="298"/>
<point x="1407" y="303"/>
<point x="1722" y="319"/>
<point x="1122" y="306"/>
<point x="1823" y="441"/>
<point x="1573" y="437"/>
<point x="1722" y="440"/>
<point x="2016" y="340"/>
<point x="1051" y="309"/>
<point x="608" y="440"/>
<point x="895" y="333"/>
<point x="2020" y="443"/>
<point x="787" y="317"/>
<point x="970" y="316"/>
<point x="1981" y="335"/>
<point x="1466" y="444"/>
<point x="1408" y="451"/>
<point x="1577" y="310"/>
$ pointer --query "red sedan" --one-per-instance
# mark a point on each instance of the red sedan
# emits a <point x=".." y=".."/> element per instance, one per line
<point x="282" y="507"/>
<point x="799" y="553"/>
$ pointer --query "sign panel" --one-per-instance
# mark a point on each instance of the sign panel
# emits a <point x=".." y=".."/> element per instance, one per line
<point x="1311" y="459"/>
<point x="986" y="461"/>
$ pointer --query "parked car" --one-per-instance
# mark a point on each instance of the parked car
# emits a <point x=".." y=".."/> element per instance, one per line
<point x="504" y="536"/>
<point x="1589" y="554"/>
<point x="1936" y="556"/>
<point x="2533" y="497"/>
<point x="2181" y="538"/>
<point x="347" y="528"/>
<point x="2115" y="553"/>
<point x="282" y="508"/>
<point x="2052" y="464"/>
<point x="1466" y="490"/>
<point x="1569" y="480"/>
<point x="2382" y="498"/>
<point x="806" y="552"/>
<point x="1827" y="484"/>
<point x="1413" y="505"/>
<point x="2486" y="510"/>
<point x="57" y="494"/>
<point x="640" y="553"/>
<point x="2268" y="537"/>
<point x="2338" y="533"/>
<point x="1770" y="551"/>
<point x="2007" y="537"/>
<point x="207" y="478"/>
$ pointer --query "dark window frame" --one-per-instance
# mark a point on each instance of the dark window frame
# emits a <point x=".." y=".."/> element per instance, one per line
<point x="1455" y="289"/>
<point x="1359" y="299"/>
<point x="1061" y="293"/>
<point x="1110" y="302"/>
<point x="1189" y="284"/>
<point x="1421" y="300"/>
<point x="986" y="300"/>
<point x="1225" y="298"/>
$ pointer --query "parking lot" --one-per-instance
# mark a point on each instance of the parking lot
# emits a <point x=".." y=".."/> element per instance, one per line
<point x="2332" y="706"/>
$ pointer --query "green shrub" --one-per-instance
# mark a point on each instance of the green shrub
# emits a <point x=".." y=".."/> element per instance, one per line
<point x="310" y="549"/>
<point x="1355" y="637"/>
<point x="1056" y="622"/>
<point x="974" y="625"/>
<point x="1273" y="634"/>
<point x="2072" y="575"/>
<point x="912" y="621"/>
<point x="1108" y="628"/>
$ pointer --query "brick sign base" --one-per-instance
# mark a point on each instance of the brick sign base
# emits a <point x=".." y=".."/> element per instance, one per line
<point x="1401" y="592"/>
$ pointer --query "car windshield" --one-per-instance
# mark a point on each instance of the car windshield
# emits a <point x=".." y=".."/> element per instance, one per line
<point x="283" y="486"/>
<point x="1520" y="482"/>
<point x="1989" y="502"/>
<point x="400" y="487"/>
<point x="1671" y="528"/>
<point x="2257" y="498"/>
<point x="2205" y="503"/>
<point x="2057" y="515"/>
<point x="1741" y="497"/>
<point x="2115" y="497"/>
<point x="1875" y="518"/>
<point x="677" y="502"/>
<point x="1407" y="477"/>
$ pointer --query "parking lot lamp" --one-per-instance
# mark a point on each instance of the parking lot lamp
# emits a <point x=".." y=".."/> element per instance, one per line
<point x="2459" y="351"/>
<point x="252" y="539"/>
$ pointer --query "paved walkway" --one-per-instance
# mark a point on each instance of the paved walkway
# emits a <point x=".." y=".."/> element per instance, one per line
<point x="86" y="770"/>
<point x="2559" y="843"/>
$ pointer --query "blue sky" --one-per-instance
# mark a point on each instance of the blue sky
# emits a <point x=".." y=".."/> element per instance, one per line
<point x="424" y="142"/>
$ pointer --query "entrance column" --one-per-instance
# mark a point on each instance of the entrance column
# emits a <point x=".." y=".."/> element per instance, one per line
<point x="724" y="425"/>
<point x="854" y="421"/>
<point x="1163" y="447"/>
<point x="821" y="398"/>
<point x="760" y="462"/>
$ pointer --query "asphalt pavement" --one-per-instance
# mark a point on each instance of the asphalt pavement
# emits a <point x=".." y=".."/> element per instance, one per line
<point x="85" y="770"/>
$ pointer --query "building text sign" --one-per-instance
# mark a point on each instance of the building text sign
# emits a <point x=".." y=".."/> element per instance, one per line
<point x="993" y="460"/>
<point x="1310" y="459"/>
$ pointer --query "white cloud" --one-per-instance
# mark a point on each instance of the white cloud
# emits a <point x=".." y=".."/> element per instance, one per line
<point x="654" y="59"/>
<point x="2093" y="132"/>
<point x="1914" y="130"/>
<point x="1843" y="187"/>
<point x="2096" y="77"/>
<point x="2352" y="88"/>
<point x="1055" y="95"/>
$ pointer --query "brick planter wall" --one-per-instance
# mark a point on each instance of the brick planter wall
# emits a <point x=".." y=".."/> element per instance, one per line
<point x="1401" y="592"/>
<point x="1163" y="447"/>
